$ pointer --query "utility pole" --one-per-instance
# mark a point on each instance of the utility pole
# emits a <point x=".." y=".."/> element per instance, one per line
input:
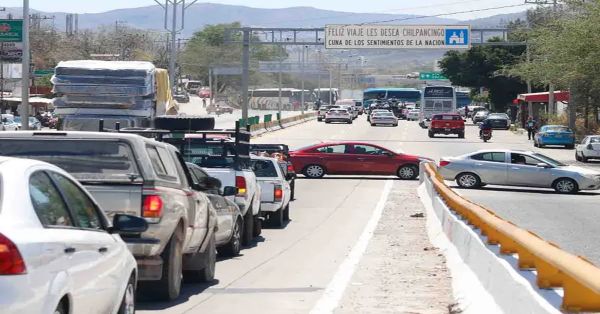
<point x="175" y="29"/>
<point x="279" y="82"/>
<point x="24" y="112"/>
<point x="303" y="77"/>
<point x="245" y="71"/>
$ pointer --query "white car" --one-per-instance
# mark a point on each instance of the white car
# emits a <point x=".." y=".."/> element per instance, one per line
<point x="275" y="190"/>
<point x="413" y="115"/>
<point x="589" y="148"/>
<point x="387" y="118"/>
<point x="338" y="115"/>
<point x="58" y="251"/>
<point x="7" y="123"/>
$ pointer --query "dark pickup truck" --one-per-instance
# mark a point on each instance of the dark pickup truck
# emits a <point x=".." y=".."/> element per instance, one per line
<point x="447" y="123"/>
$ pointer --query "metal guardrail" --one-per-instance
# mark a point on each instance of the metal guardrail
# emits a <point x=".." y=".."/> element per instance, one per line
<point x="579" y="278"/>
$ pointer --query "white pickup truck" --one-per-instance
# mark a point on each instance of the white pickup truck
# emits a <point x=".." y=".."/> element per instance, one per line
<point x="224" y="154"/>
<point x="275" y="190"/>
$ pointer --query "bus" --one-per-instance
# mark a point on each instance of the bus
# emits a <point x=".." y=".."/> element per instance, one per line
<point x="401" y="95"/>
<point x="463" y="99"/>
<point x="435" y="100"/>
<point x="268" y="98"/>
<point x="328" y="96"/>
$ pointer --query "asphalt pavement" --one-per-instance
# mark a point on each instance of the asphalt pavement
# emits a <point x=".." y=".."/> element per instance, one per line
<point x="570" y="221"/>
<point x="288" y="270"/>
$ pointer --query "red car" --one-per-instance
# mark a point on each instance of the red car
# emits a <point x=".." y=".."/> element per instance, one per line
<point x="354" y="158"/>
<point x="447" y="123"/>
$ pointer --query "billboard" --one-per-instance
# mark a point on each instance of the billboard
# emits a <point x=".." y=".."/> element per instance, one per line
<point x="366" y="36"/>
<point x="11" y="30"/>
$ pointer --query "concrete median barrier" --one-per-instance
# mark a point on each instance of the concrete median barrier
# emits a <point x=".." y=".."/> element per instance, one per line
<point x="506" y="256"/>
<point x="270" y="126"/>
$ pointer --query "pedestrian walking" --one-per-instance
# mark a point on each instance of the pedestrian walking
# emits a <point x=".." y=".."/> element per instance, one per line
<point x="530" y="126"/>
<point x="203" y="102"/>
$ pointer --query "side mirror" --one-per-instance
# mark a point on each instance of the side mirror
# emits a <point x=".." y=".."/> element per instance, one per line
<point x="128" y="224"/>
<point x="543" y="165"/>
<point x="230" y="191"/>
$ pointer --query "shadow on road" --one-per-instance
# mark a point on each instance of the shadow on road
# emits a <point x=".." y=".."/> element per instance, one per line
<point x="188" y="290"/>
<point x="352" y="178"/>
<point x="522" y="190"/>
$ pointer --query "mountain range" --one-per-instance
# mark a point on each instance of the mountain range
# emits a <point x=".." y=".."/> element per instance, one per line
<point x="199" y="15"/>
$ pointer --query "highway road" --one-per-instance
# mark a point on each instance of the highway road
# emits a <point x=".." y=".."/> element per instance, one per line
<point x="571" y="221"/>
<point x="288" y="270"/>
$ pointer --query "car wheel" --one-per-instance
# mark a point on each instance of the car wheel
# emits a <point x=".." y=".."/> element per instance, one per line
<point x="349" y="121"/>
<point x="276" y="218"/>
<point x="232" y="248"/>
<point x="327" y="121"/>
<point x="257" y="226"/>
<point x="565" y="186"/>
<point x="395" y="125"/>
<point x="314" y="171"/>
<point x="207" y="273"/>
<point x="468" y="180"/>
<point x="319" y="119"/>
<point x="408" y="172"/>
<point x="372" y="124"/>
<point x="431" y="134"/>
<point x="535" y="144"/>
<point x="169" y="286"/>
<point x="248" y="227"/>
<point x="461" y="135"/>
<point x="286" y="213"/>
<point x="128" y="302"/>
<point x="583" y="158"/>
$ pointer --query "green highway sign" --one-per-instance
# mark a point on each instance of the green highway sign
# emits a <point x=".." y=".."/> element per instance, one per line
<point x="11" y="30"/>
<point x="427" y="76"/>
<point x="43" y="72"/>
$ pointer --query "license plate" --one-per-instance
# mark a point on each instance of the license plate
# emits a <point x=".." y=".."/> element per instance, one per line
<point x="447" y="130"/>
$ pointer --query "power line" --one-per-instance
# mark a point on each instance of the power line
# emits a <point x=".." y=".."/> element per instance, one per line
<point x="375" y="12"/>
<point x="445" y="14"/>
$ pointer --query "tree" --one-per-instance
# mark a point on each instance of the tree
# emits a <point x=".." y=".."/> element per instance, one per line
<point x="484" y="66"/>
<point x="565" y="51"/>
<point x="207" y="48"/>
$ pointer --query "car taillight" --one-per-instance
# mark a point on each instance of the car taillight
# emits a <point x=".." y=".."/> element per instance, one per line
<point x="444" y="163"/>
<point x="240" y="184"/>
<point x="11" y="262"/>
<point x="278" y="193"/>
<point x="152" y="206"/>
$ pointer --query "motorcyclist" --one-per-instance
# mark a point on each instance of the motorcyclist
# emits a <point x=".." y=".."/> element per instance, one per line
<point x="485" y="125"/>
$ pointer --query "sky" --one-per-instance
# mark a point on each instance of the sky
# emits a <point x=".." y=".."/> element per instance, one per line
<point x="420" y="7"/>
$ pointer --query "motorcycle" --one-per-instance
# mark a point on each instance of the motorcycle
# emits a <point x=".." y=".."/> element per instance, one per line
<point x="486" y="135"/>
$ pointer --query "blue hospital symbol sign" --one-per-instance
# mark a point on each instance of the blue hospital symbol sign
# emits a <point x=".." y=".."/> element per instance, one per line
<point x="457" y="37"/>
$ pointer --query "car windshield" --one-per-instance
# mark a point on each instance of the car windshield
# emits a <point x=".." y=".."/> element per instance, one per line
<point x="558" y="128"/>
<point x="86" y="160"/>
<point x="208" y="155"/>
<point x="447" y="117"/>
<point x="548" y="160"/>
<point x="264" y="168"/>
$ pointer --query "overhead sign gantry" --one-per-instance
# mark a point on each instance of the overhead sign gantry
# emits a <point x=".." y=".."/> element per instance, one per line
<point x="397" y="36"/>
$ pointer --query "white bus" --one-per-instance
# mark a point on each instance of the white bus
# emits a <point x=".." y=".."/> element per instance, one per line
<point x="268" y="98"/>
<point x="435" y="100"/>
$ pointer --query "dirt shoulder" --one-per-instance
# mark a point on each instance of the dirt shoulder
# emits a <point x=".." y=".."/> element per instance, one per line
<point x="401" y="272"/>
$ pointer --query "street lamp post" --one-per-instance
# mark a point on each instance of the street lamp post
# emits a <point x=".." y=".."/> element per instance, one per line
<point x="24" y="112"/>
